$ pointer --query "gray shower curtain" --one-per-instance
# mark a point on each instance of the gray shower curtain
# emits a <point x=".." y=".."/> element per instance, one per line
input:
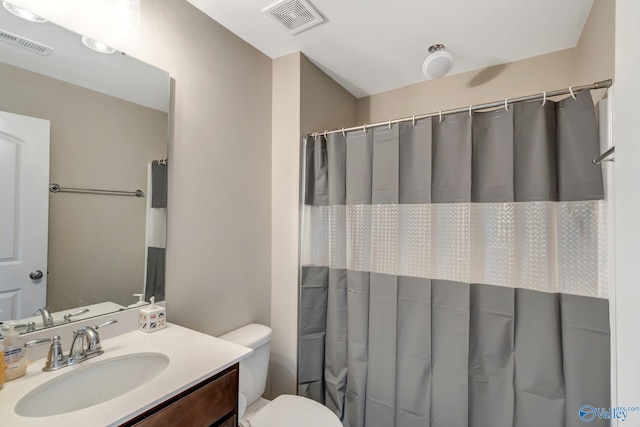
<point x="454" y="271"/>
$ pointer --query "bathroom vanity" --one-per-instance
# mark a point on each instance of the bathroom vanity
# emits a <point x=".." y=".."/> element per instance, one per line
<point x="213" y="402"/>
<point x="195" y="383"/>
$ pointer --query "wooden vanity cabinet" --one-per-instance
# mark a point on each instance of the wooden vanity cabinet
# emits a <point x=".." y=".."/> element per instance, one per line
<point x="211" y="403"/>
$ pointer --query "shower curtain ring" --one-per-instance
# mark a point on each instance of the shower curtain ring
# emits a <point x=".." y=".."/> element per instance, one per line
<point x="573" y="95"/>
<point x="544" y="98"/>
<point x="440" y="115"/>
<point x="364" y="128"/>
<point x="389" y="124"/>
<point x="413" y="120"/>
<point x="325" y="134"/>
<point x="506" y="104"/>
<point x="470" y="110"/>
<point x="344" y="134"/>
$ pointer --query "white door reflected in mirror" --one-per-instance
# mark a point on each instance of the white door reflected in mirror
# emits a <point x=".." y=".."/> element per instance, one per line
<point x="24" y="213"/>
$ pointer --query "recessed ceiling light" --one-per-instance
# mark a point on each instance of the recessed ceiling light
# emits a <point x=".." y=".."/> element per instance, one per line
<point x="96" y="45"/>
<point x="22" y="13"/>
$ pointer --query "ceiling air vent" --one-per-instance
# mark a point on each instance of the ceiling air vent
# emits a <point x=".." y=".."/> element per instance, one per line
<point x="294" y="15"/>
<point x="27" y="44"/>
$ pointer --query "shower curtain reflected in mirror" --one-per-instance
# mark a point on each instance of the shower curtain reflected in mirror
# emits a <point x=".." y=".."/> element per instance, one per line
<point x="454" y="271"/>
<point x="156" y="235"/>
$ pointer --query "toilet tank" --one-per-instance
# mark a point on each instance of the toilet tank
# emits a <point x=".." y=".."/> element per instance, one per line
<point x="253" y="369"/>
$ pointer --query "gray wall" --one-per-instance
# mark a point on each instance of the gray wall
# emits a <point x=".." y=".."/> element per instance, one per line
<point x="595" y="53"/>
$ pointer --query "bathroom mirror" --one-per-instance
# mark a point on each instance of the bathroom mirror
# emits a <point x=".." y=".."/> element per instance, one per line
<point x="108" y="115"/>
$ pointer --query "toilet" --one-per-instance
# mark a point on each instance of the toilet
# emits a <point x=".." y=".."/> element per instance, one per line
<point x="285" y="410"/>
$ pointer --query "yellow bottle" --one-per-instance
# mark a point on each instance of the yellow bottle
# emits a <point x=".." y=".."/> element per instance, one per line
<point x="3" y="367"/>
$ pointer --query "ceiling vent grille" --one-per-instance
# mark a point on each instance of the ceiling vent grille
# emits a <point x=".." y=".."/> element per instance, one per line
<point x="27" y="44"/>
<point x="295" y="15"/>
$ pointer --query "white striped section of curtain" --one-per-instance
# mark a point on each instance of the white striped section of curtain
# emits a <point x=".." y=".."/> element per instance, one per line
<point x="544" y="246"/>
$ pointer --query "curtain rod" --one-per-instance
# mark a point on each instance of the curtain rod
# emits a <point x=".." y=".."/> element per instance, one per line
<point x="544" y="95"/>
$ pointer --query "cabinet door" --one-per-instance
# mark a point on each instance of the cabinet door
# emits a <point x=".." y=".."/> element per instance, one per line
<point x="204" y="405"/>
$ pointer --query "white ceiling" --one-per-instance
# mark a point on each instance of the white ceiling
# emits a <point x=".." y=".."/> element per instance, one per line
<point x="371" y="46"/>
<point x="116" y="74"/>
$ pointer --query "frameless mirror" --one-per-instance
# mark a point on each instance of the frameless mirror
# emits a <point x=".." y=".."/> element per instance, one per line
<point x="83" y="120"/>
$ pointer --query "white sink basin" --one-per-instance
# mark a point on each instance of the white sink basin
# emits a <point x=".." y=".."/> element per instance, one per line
<point x="85" y="386"/>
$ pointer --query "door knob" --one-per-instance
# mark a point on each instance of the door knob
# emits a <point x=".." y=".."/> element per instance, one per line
<point x="35" y="275"/>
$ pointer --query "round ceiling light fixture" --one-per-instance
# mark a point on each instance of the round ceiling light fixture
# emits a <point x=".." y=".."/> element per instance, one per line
<point x="96" y="45"/>
<point x="438" y="63"/>
<point x="22" y="13"/>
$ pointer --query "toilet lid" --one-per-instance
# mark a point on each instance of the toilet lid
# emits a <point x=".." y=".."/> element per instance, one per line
<point x="294" y="411"/>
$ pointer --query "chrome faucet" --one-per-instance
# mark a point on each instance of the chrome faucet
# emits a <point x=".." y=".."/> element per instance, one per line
<point x="86" y="335"/>
<point x="47" y="320"/>
<point x="78" y="352"/>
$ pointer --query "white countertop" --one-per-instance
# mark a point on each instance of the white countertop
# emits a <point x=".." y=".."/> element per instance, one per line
<point x="193" y="357"/>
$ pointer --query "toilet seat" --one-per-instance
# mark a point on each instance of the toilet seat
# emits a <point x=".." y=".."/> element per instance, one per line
<point x="294" y="411"/>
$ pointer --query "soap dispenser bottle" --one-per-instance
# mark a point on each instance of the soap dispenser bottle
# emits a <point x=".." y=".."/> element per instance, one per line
<point x="152" y="318"/>
<point x="16" y="355"/>
<point x="138" y="303"/>
<point x="3" y="367"/>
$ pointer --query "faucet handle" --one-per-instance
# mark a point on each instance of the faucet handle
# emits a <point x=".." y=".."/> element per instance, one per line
<point x="68" y="316"/>
<point x="55" y="357"/>
<point x="94" y="342"/>
<point x="35" y="343"/>
<point x="107" y="323"/>
<point x="30" y="326"/>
